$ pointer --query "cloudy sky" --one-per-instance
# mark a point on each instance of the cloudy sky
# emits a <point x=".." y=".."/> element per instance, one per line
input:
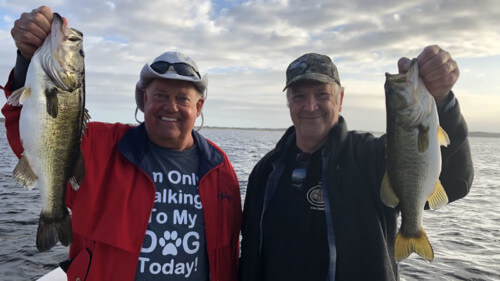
<point x="245" y="47"/>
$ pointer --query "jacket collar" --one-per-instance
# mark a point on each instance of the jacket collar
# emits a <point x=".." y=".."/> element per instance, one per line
<point x="133" y="147"/>
<point x="336" y="136"/>
<point x="209" y="155"/>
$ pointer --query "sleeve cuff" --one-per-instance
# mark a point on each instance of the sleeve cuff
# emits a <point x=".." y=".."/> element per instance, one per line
<point x="448" y="104"/>
<point x="20" y="71"/>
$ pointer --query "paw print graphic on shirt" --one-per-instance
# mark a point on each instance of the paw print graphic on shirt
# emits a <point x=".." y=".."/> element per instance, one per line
<point x="170" y="248"/>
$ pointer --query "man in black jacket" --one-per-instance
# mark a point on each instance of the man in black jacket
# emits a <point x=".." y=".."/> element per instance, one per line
<point x="312" y="208"/>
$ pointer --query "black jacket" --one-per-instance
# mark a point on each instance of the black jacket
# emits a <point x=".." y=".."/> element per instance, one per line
<point x="361" y="229"/>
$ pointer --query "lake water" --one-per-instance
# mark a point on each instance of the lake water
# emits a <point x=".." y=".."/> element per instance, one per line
<point x="465" y="235"/>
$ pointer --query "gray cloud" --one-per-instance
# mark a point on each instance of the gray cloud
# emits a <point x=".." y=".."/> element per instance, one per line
<point x="245" y="46"/>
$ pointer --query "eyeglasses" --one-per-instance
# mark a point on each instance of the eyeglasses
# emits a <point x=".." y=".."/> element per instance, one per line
<point x="299" y="174"/>
<point x="181" y="68"/>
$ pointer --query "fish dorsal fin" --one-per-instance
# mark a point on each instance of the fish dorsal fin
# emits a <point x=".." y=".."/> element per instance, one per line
<point x="19" y="96"/>
<point x="52" y="102"/>
<point x="387" y="195"/>
<point x="23" y="173"/>
<point x="438" y="198"/>
<point x="443" y="138"/>
<point x="423" y="138"/>
<point x="86" y="118"/>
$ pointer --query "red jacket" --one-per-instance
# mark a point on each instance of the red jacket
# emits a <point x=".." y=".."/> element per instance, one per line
<point x="110" y="211"/>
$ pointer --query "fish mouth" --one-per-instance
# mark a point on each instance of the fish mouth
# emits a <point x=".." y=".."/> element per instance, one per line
<point x="400" y="91"/>
<point x="76" y="32"/>
<point x="61" y="25"/>
<point x="63" y="55"/>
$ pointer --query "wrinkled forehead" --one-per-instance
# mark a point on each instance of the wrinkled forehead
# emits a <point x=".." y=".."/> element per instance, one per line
<point x="171" y="85"/>
<point x="310" y="85"/>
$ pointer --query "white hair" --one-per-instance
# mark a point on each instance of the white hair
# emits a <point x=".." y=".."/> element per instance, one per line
<point x="337" y="89"/>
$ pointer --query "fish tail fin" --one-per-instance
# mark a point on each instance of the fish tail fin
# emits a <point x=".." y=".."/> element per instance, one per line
<point x="419" y="244"/>
<point x="23" y="173"/>
<point x="443" y="138"/>
<point x="389" y="198"/>
<point x="438" y="198"/>
<point x="51" y="230"/>
<point x="46" y="235"/>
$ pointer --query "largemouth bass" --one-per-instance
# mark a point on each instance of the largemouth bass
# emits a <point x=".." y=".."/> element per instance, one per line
<point x="51" y="126"/>
<point x="413" y="155"/>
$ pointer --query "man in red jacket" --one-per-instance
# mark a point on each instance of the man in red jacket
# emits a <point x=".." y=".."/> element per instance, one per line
<point x="158" y="201"/>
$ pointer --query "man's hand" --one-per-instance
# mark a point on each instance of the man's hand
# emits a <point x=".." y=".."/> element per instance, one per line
<point x="437" y="69"/>
<point x="31" y="29"/>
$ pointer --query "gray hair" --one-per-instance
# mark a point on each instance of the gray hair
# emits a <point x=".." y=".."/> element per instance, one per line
<point x="336" y="88"/>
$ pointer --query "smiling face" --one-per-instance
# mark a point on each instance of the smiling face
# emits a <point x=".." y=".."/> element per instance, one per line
<point x="170" y="111"/>
<point x="314" y="108"/>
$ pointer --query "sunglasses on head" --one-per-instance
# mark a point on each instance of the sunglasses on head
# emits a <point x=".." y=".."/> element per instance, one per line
<point x="181" y="68"/>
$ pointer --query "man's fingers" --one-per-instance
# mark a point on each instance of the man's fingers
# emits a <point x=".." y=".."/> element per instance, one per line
<point x="44" y="12"/>
<point x="403" y="65"/>
<point x="31" y="29"/>
<point x="427" y="54"/>
<point x="440" y="71"/>
<point x="440" y="62"/>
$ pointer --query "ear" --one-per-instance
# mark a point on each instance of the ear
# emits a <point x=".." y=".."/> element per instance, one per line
<point x="341" y="98"/>
<point x="144" y="95"/>
<point x="199" y="106"/>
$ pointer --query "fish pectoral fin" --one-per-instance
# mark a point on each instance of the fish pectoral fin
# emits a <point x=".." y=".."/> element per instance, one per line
<point x="19" y="96"/>
<point x="52" y="102"/>
<point x="418" y="244"/>
<point x="23" y="173"/>
<point x="438" y="198"/>
<point x="443" y="138"/>
<point x="423" y="138"/>
<point x="78" y="172"/>
<point x="387" y="195"/>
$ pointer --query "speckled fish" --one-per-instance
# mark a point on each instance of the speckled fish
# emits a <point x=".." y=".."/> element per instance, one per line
<point x="413" y="155"/>
<point x="51" y="125"/>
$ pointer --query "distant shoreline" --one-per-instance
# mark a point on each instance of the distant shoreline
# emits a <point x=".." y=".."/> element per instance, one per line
<point x="484" y="135"/>
<point x="477" y="134"/>
<point x="471" y="134"/>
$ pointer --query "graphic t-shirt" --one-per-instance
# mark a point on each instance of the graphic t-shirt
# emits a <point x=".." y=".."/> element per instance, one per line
<point x="174" y="247"/>
<point x="295" y="245"/>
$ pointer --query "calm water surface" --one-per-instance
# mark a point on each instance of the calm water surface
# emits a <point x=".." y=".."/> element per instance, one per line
<point x="465" y="235"/>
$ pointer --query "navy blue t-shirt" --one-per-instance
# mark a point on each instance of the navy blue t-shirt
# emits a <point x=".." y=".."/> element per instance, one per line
<point x="174" y="247"/>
